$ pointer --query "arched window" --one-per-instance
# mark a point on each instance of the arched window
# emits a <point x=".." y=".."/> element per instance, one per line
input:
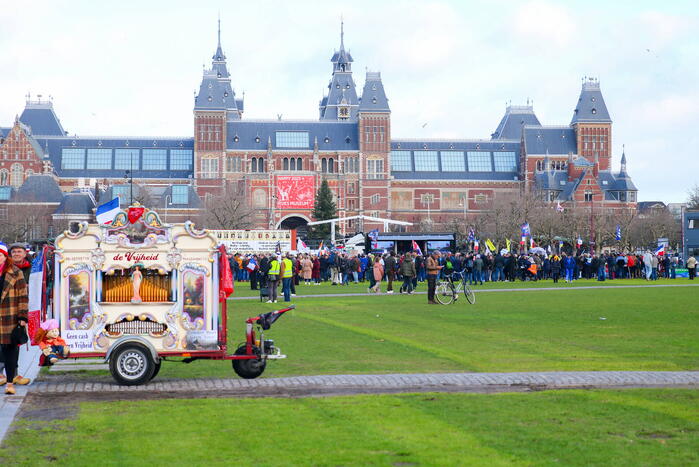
<point x="285" y="164"/>
<point x="324" y="166"/>
<point x="538" y="166"/>
<point x="331" y="165"/>
<point x="292" y="164"/>
<point x="253" y="164"/>
<point x="4" y="175"/>
<point x="299" y="164"/>
<point x="260" y="164"/>
<point x="16" y="175"/>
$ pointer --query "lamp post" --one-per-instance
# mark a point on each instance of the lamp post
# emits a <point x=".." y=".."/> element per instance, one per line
<point x="464" y="204"/>
<point x="426" y="201"/>
<point x="167" y="204"/>
<point x="271" y="211"/>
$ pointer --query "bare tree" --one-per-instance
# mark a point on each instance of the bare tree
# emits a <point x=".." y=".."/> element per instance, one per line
<point x="228" y="211"/>
<point x="693" y="197"/>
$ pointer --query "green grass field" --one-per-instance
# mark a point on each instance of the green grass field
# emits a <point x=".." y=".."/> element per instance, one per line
<point x="567" y="330"/>
<point x="622" y="428"/>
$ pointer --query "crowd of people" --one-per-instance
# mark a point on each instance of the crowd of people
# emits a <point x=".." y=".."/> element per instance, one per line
<point x="411" y="269"/>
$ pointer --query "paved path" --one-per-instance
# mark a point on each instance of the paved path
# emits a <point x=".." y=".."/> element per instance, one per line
<point x="9" y="405"/>
<point x="386" y="383"/>
<point x="562" y="287"/>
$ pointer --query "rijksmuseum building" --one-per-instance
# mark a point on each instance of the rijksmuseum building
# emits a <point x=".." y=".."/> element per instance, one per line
<point x="277" y="165"/>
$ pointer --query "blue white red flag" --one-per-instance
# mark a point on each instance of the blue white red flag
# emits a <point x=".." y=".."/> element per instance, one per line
<point x="37" y="291"/>
<point x="660" y="251"/>
<point x="107" y="212"/>
<point x="252" y="264"/>
<point x="579" y="242"/>
<point x="416" y="248"/>
<point x="525" y="230"/>
<point x="617" y="235"/>
<point x="476" y="245"/>
<point x="471" y="235"/>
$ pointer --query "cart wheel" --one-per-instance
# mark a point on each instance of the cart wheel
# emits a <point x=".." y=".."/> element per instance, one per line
<point x="157" y="369"/>
<point x="444" y="294"/>
<point x="248" y="369"/>
<point x="132" y="365"/>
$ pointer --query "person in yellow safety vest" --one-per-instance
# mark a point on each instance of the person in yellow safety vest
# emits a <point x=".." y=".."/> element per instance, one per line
<point x="287" y="276"/>
<point x="273" y="277"/>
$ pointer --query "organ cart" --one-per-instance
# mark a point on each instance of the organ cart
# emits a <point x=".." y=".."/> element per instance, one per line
<point x="138" y="291"/>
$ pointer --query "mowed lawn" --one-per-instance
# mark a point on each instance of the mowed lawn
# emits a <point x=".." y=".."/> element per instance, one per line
<point x="571" y="428"/>
<point x="567" y="330"/>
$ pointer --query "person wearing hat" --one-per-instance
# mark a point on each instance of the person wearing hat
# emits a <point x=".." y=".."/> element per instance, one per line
<point x="18" y="251"/>
<point x="14" y="304"/>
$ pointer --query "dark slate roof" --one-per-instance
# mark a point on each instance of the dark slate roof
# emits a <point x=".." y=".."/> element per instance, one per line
<point x="373" y="95"/>
<point x="591" y="106"/>
<point x="551" y="180"/>
<point x="4" y="131"/>
<point x="215" y="94"/>
<point x="549" y="139"/>
<point x="53" y="147"/>
<point x="516" y="117"/>
<point x="39" y="189"/>
<point x="76" y="203"/>
<point x="41" y="119"/>
<point x="255" y="134"/>
<point x="580" y="161"/>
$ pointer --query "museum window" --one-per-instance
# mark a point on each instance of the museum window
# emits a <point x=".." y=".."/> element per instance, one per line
<point x="154" y="159"/>
<point x="375" y="169"/>
<point x="233" y="164"/>
<point x="350" y="188"/>
<point x="327" y="165"/>
<point x="374" y="199"/>
<point x="5" y="193"/>
<point x="351" y="204"/>
<point x="209" y="168"/>
<point x="4" y="177"/>
<point x="181" y="159"/>
<point x="3" y="213"/>
<point x="505" y="161"/>
<point x="257" y="164"/>
<point x="72" y="159"/>
<point x="426" y="161"/>
<point x="292" y="139"/>
<point x="180" y="194"/>
<point x="479" y="161"/>
<point x="16" y="175"/>
<point x="400" y="161"/>
<point x="588" y="196"/>
<point x="427" y="198"/>
<point x="453" y="161"/>
<point x="126" y="159"/>
<point x="99" y="159"/>
<point x="285" y="163"/>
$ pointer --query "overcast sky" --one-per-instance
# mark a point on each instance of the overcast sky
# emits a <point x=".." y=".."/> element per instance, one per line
<point x="448" y="67"/>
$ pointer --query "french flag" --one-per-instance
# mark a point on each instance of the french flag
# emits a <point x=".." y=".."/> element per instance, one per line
<point x="107" y="212"/>
<point x="37" y="290"/>
<point x="416" y="248"/>
<point x="660" y="251"/>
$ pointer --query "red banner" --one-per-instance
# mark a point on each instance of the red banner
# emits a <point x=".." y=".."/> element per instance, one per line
<point x="135" y="214"/>
<point x="295" y="192"/>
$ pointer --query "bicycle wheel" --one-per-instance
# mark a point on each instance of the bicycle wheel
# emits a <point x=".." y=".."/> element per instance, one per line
<point x="444" y="293"/>
<point x="470" y="295"/>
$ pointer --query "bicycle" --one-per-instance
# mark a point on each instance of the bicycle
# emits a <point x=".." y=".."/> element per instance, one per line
<point x="448" y="289"/>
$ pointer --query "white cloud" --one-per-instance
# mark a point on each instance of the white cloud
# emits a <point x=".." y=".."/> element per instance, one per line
<point x="544" y="24"/>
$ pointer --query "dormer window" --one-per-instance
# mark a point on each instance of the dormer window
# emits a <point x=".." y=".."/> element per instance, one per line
<point x="347" y="86"/>
<point x="210" y="98"/>
<point x="225" y="94"/>
<point x="327" y="140"/>
<point x="257" y="139"/>
<point x="373" y="100"/>
<point x="236" y="139"/>
<point x="594" y="111"/>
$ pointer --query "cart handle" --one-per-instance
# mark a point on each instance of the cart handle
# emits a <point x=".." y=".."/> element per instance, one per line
<point x="269" y="317"/>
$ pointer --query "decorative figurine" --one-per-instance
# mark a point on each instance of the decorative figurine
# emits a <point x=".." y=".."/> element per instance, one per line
<point x="52" y="346"/>
<point x="137" y="278"/>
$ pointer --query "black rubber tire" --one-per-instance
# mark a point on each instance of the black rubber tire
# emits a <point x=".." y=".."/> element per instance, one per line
<point x="157" y="369"/>
<point x="444" y="294"/>
<point x="470" y="295"/>
<point x="131" y="365"/>
<point x="248" y="369"/>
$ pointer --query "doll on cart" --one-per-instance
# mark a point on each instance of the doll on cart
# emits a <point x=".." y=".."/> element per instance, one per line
<point x="52" y="346"/>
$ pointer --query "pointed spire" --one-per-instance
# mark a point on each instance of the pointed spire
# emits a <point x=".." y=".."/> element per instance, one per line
<point x="623" y="159"/>
<point x="219" y="56"/>
<point x="342" y="33"/>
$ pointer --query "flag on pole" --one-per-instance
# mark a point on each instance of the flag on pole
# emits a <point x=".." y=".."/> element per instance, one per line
<point x="471" y="235"/>
<point x="320" y="247"/>
<point x="525" y="230"/>
<point x="490" y="245"/>
<point x="225" y="281"/>
<point x="508" y="244"/>
<point x="532" y="244"/>
<point x="660" y="251"/>
<point x="523" y="241"/>
<point x="476" y="245"/>
<point x="579" y="242"/>
<point x="107" y="212"/>
<point x="37" y="290"/>
<point x="617" y="235"/>
<point x="252" y="264"/>
<point x="278" y="249"/>
<point x="416" y="248"/>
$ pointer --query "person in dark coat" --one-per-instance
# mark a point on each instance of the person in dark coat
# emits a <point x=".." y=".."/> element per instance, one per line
<point x="555" y="265"/>
<point x="14" y="303"/>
